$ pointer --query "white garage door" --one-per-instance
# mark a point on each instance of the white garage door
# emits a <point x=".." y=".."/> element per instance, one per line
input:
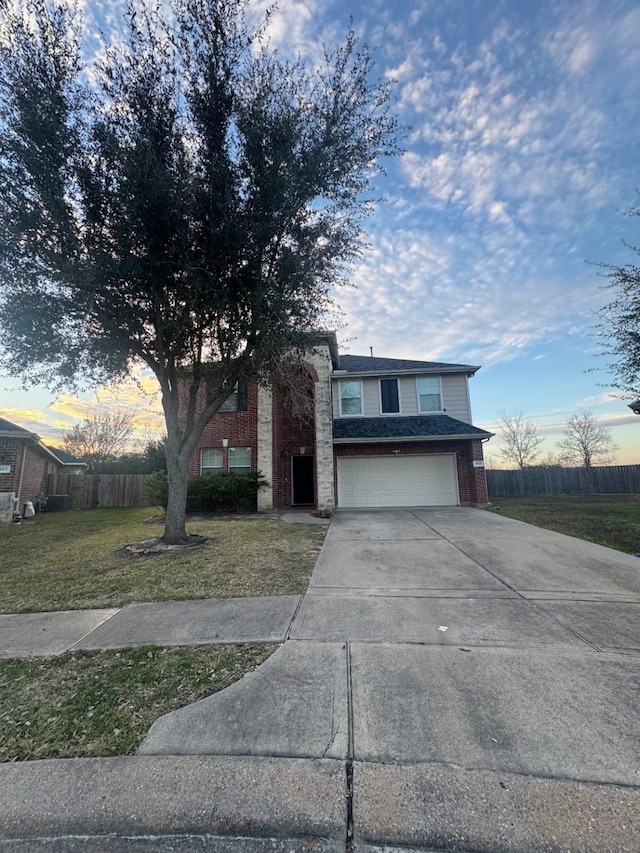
<point x="397" y="481"/>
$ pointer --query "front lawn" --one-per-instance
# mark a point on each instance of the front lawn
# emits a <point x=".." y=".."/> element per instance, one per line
<point x="611" y="520"/>
<point x="74" y="560"/>
<point x="103" y="703"/>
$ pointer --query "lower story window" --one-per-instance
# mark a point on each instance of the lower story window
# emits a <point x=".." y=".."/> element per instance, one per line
<point x="210" y="460"/>
<point x="239" y="460"/>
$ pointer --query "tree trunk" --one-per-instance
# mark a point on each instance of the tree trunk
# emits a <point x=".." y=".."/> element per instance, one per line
<point x="175" y="532"/>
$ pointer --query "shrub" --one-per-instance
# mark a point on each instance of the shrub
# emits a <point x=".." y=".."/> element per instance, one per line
<point x="211" y="492"/>
<point x="157" y="489"/>
<point x="224" y="492"/>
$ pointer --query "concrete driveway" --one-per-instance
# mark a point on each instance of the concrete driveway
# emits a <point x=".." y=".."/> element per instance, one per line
<point x="490" y="659"/>
<point x="477" y="678"/>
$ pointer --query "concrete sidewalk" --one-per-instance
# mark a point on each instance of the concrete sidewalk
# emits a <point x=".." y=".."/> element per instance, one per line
<point x="452" y="680"/>
<point x="166" y="623"/>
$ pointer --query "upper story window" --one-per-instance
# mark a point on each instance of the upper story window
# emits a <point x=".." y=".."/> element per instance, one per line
<point x="429" y="394"/>
<point x="351" y="397"/>
<point x="389" y="396"/>
<point x="210" y="460"/>
<point x="236" y="402"/>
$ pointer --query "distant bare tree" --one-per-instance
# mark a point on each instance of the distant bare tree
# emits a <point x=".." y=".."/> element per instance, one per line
<point x="550" y="460"/>
<point x="585" y="443"/>
<point x="521" y="442"/>
<point x="100" y="437"/>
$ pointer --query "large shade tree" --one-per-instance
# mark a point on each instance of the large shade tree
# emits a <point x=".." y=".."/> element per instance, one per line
<point x="185" y="199"/>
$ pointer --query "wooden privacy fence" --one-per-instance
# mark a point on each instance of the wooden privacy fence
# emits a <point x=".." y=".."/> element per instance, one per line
<point x="613" y="479"/>
<point x="93" y="491"/>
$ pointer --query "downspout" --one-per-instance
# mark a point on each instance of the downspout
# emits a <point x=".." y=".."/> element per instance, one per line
<point x="22" y="464"/>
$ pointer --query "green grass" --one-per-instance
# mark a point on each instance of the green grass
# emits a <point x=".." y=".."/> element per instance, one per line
<point x="103" y="703"/>
<point x="611" y="520"/>
<point x="74" y="560"/>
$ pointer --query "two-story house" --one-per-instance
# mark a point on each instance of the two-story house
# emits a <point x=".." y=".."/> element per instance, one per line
<point x="379" y="432"/>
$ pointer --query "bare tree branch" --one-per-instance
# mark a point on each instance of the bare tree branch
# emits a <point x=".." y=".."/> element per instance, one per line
<point x="100" y="437"/>
<point x="520" y="438"/>
<point x="585" y="443"/>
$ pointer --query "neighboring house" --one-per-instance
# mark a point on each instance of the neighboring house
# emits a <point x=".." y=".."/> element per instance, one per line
<point x="25" y="464"/>
<point x="383" y="432"/>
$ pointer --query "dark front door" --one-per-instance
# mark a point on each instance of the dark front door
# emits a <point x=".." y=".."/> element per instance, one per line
<point x="302" y="480"/>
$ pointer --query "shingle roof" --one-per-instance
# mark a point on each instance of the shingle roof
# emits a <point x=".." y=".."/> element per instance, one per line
<point x="373" y="364"/>
<point x="64" y="457"/>
<point x="10" y="430"/>
<point x="7" y="427"/>
<point x="427" y="427"/>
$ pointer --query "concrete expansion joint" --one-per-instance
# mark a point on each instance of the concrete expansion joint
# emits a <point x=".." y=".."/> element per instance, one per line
<point x="350" y="725"/>
<point x="559" y="621"/>
<point x="349" y="781"/>
<point x="350" y="752"/>
<point x="76" y="646"/>
<point x="287" y="635"/>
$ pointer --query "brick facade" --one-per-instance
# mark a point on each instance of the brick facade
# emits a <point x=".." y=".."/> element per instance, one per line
<point x="37" y="468"/>
<point x="237" y="429"/>
<point x="280" y="440"/>
<point x="30" y="464"/>
<point x="11" y="451"/>
<point x="293" y="436"/>
<point x="30" y="467"/>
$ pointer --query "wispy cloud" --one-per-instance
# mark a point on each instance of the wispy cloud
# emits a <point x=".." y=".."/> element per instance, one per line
<point x="415" y="298"/>
<point x="139" y="396"/>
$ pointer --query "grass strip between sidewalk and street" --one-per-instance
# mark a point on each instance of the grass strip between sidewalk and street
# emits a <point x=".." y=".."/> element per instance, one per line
<point x="610" y="520"/>
<point x="75" y="560"/>
<point x="103" y="703"/>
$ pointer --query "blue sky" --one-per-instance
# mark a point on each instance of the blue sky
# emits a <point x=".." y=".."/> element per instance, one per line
<point x="521" y="161"/>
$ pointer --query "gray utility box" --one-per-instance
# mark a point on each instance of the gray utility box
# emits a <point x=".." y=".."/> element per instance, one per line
<point x="58" y="503"/>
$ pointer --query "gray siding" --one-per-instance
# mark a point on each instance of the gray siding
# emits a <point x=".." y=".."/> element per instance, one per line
<point x="455" y="396"/>
<point x="455" y="393"/>
<point x="408" y="395"/>
<point x="371" y="392"/>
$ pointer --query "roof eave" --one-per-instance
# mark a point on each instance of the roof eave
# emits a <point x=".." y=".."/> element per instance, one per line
<point x="468" y="369"/>
<point x="29" y="437"/>
<point x="49" y="452"/>
<point x="414" y="438"/>
<point x="64" y="462"/>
